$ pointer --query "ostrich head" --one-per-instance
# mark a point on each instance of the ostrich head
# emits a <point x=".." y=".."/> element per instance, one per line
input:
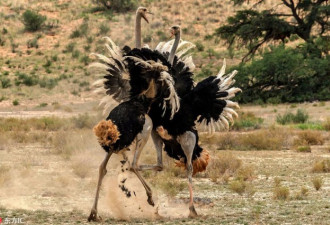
<point x="142" y="11"/>
<point x="175" y="30"/>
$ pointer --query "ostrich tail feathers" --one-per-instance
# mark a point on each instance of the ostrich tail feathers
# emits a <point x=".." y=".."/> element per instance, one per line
<point x="106" y="132"/>
<point x="199" y="164"/>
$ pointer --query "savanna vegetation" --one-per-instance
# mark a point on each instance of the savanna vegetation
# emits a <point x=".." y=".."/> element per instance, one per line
<point x="273" y="165"/>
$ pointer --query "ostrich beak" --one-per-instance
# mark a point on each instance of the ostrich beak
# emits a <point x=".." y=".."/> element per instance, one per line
<point x="172" y="32"/>
<point x="145" y="18"/>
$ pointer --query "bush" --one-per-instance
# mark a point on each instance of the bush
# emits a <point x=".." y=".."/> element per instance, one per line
<point x="238" y="186"/>
<point x="5" y="82"/>
<point x="284" y="75"/>
<point x="2" y="41"/>
<point x="225" y="164"/>
<point x="117" y="5"/>
<point x="247" y="120"/>
<point x="302" y="194"/>
<point x="15" y="102"/>
<point x="104" y="29"/>
<point x="321" y="166"/>
<point x="48" y="83"/>
<point x="270" y="139"/>
<point x="326" y="124"/>
<point x="317" y="183"/>
<point x="32" y="43"/>
<point x="281" y="192"/>
<point x="199" y="46"/>
<point x="301" y="116"/>
<point x="310" y="138"/>
<point x="28" y="80"/>
<point x="304" y="148"/>
<point x="81" y="30"/>
<point x="33" y="21"/>
<point x="69" y="47"/>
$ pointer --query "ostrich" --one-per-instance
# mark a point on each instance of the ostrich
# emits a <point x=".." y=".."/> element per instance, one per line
<point x="207" y="103"/>
<point x="128" y="122"/>
<point x="114" y="83"/>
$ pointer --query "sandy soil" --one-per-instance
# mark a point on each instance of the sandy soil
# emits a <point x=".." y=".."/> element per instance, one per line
<point x="40" y="179"/>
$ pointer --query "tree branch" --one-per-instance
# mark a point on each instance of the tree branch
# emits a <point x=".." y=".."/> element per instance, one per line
<point x="294" y="11"/>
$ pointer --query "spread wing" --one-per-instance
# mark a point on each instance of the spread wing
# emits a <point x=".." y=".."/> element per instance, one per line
<point x="114" y="76"/>
<point x="183" y="66"/>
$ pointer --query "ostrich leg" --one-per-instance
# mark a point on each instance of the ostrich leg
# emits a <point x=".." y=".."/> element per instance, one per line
<point x="141" y="140"/>
<point x="102" y="173"/>
<point x="187" y="142"/>
<point x="159" y="148"/>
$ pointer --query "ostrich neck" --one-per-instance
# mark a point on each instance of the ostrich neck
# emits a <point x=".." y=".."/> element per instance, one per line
<point x="174" y="47"/>
<point x="138" y="31"/>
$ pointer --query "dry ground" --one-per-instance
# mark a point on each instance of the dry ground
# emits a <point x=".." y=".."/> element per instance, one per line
<point x="44" y="186"/>
<point x="46" y="180"/>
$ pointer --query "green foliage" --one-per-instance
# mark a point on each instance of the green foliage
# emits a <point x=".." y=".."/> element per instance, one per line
<point x="247" y="121"/>
<point x="15" y="102"/>
<point x="301" y="116"/>
<point x="28" y="80"/>
<point x="199" y="46"/>
<point x="70" y="47"/>
<point x="85" y="60"/>
<point x="2" y="40"/>
<point x="310" y="126"/>
<point x="81" y="30"/>
<point x="75" y="54"/>
<point x="13" y="46"/>
<point x="285" y="75"/>
<point x="104" y="29"/>
<point x="32" y="43"/>
<point x="254" y="28"/>
<point x="33" y="21"/>
<point x="117" y="5"/>
<point x="5" y="82"/>
<point x="147" y="38"/>
<point x="48" y="83"/>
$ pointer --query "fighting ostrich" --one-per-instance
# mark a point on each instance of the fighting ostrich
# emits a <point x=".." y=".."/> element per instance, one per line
<point x="114" y="83"/>
<point x="128" y="122"/>
<point x="206" y="103"/>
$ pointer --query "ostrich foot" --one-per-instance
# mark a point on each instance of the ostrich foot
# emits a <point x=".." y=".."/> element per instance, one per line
<point x="192" y="212"/>
<point x="93" y="216"/>
<point x="150" y="200"/>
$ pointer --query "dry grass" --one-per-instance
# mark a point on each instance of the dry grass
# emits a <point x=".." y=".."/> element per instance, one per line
<point x="81" y="168"/>
<point x="309" y="137"/>
<point x="326" y="124"/>
<point x="245" y="173"/>
<point x="166" y="183"/>
<point x="223" y="165"/>
<point x="238" y="186"/>
<point x="281" y="193"/>
<point x="302" y="194"/>
<point x="4" y="175"/>
<point x="317" y="182"/>
<point x="265" y="139"/>
<point x="304" y="148"/>
<point x="321" y="166"/>
<point x="277" y="181"/>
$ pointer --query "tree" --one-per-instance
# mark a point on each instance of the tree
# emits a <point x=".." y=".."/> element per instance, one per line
<point x="307" y="19"/>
